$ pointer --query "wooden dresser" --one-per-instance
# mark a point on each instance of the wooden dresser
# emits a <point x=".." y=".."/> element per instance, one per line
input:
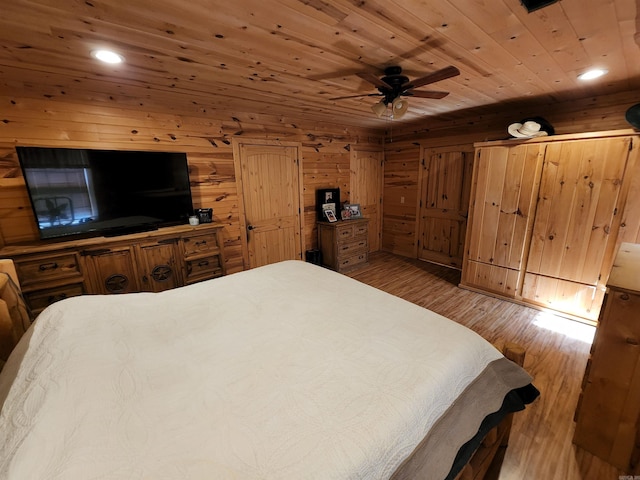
<point x="344" y="244"/>
<point x="608" y="412"/>
<point x="150" y="261"/>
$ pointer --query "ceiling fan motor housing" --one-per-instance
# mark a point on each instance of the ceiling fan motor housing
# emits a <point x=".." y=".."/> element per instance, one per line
<point x="394" y="78"/>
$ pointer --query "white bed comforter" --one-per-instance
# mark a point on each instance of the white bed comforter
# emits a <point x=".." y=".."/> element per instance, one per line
<point x="288" y="371"/>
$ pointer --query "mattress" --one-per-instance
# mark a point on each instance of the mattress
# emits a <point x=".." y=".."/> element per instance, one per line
<point x="288" y="371"/>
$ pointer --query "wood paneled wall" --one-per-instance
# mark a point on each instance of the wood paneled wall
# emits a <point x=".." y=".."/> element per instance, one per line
<point x="207" y="143"/>
<point x="326" y="156"/>
<point x="402" y="153"/>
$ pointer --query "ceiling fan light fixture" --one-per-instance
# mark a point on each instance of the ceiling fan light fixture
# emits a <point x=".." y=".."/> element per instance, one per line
<point x="379" y="108"/>
<point x="399" y="107"/>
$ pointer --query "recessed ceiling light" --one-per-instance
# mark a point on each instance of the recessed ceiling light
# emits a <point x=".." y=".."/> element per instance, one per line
<point x="591" y="74"/>
<point x="108" y="56"/>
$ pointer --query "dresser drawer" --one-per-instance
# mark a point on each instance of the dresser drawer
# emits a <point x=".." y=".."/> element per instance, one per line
<point x="352" y="247"/>
<point x="35" y="270"/>
<point x="353" y="261"/>
<point x="347" y="233"/>
<point x="41" y="299"/>
<point x="199" y="244"/>
<point x="203" y="268"/>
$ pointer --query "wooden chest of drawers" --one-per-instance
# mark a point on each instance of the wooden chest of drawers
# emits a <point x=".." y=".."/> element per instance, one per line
<point x="344" y="244"/>
<point x="608" y="412"/>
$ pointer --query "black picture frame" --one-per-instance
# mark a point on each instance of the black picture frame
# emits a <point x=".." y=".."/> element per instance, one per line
<point x="327" y="198"/>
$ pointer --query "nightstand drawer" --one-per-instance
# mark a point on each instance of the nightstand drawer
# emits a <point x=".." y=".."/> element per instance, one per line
<point x="349" y="248"/>
<point x="347" y="233"/>
<point x="352" y="261"/>
<point x="49" y="268"/>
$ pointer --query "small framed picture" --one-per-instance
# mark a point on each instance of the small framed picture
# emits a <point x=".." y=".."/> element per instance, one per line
<point x="354" y="210"/>
<point x="345" y="214"/>
<point x="331" y="215"/>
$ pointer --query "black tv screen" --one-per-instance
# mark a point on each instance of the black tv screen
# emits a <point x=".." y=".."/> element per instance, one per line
<point x="82" y="192"/>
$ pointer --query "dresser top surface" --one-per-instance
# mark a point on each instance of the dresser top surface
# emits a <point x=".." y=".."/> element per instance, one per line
<point x="626" y="268"/>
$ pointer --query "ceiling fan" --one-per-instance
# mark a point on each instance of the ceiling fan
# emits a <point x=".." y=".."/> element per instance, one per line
<point x="394" y="85"/>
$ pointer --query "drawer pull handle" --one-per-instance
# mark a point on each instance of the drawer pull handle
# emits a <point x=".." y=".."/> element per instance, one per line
<point x="200" y="243"/>
<point x="203" y="263"/>
<point x="48" y="266"/>
<point x="632" y="341"/>
<point x="624" y="296"/>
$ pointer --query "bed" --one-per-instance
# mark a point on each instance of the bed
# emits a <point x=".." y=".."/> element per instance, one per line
<point x="288" y="371"/>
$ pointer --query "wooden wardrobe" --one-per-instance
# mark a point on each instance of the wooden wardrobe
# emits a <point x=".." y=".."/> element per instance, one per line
<point x="544" y="217"/>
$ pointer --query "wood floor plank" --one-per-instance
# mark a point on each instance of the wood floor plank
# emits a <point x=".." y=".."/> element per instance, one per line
<point x="540" y="445"/>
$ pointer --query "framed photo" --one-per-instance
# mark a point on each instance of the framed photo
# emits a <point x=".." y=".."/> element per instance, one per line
<point x="354" y="210"/>
<point x="345" y="214"/>
<point x="327" y="198"/>
<point x="331" y="215"/>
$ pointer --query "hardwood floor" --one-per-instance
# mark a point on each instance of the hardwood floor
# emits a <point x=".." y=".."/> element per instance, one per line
<point x="540" y="447"/>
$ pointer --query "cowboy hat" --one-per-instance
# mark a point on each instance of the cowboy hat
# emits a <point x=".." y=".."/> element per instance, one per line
<point x="531" y="127"/>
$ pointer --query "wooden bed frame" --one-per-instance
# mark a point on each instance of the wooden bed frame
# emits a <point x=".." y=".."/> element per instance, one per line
<point x="484" y="464"/>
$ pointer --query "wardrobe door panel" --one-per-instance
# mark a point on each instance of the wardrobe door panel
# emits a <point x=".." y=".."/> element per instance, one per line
<point x="578" y="195"/>
<point x="504" y="204"/>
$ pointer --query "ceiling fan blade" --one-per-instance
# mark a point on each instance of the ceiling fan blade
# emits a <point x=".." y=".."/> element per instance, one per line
<point x="356" y="96"/>
<point x="443" y="74"/>
<point x="426" y="94"/>
<point x="371" y="78"/>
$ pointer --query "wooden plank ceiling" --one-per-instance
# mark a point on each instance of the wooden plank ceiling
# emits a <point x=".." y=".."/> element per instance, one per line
<point x="290" y="58"/>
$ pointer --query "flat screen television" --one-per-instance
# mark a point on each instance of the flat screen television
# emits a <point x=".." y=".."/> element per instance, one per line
<point x="83" y="192"/>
